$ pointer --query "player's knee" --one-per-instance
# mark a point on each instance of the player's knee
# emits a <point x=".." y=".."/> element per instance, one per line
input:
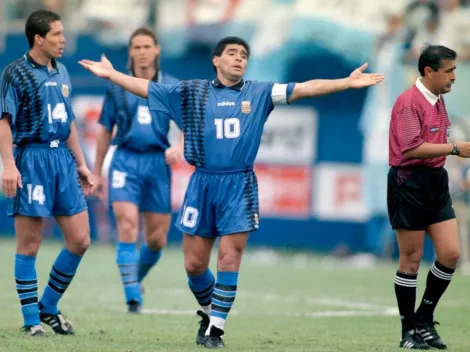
<point x="230" y="260"/>
<point x="28" y="243"/>
<point x="81" y="243"/>
<point x="450" y="258"/>
<point x="157" y="239"/>
<point x="194" y="266"/>
<point x="127" y="225"/>
<point x="410" y="260"/>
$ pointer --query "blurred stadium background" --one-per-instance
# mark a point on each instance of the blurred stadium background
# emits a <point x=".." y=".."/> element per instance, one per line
<point x="322" y="164"/>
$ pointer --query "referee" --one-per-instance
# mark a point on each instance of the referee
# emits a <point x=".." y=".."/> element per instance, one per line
<point x="418" y="193"/>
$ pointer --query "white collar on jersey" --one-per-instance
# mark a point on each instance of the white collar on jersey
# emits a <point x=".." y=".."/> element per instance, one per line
<point x="426" y="92"/>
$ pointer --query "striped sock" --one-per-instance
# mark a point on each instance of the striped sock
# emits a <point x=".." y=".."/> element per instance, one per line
<point x="223" y="297"/>
<point x="126" y="259"/>
<point x="60" y="277"/>
<point x="147" y="259"/>
<point x="438" y="280"/>
<point x="405" y="291"/>
<point x="27" y="288"/>
<point x="202" y="287"/>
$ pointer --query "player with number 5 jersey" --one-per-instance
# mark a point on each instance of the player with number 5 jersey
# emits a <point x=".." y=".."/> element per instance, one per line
<point x="45" y="173"/>
<point x="223" y="121"/>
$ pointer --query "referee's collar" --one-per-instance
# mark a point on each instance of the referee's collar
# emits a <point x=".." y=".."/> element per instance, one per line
<point x="37" y="65"/>
<point x="430" y="97"/>
<point x="239" y="86"/>
<point x="158" y="77"/>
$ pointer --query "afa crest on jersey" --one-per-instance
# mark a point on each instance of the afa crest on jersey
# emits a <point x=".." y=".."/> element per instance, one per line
<point x="65" y="90"/>
<point x="246" y="107"/>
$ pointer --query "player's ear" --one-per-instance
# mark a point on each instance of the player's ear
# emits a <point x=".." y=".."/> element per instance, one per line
<point x="158" y="50"/>
<point x="428" y="72"/>
<point x="215" y="61"/>
<point x="38" y="39"/>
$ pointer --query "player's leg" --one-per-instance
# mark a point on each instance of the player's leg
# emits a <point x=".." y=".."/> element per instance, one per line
<point x="231" y="248"/>
<point x="196" y="222"/>
<point x="156" y="230"/>
<point x="70" y="212"/>
<point x="156" y="207"/>
<point x="28" y="239"/>
<point x="127" y="258"/>
<point x="31" y="205"/>
<point x="125" y="190"/>
<point x="444" y="236"/>
<point x="201" y="281"/>
<point x="76" y="232"/>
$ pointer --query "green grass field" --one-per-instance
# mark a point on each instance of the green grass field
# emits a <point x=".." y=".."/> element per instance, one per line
<point x="294" y="303"/>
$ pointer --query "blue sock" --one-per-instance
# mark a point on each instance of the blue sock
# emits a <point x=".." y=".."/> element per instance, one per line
<point x="60" y="277"/>
<point x="126" y="259"/>
<point x="27" y="288"/>
<point x="223" y="297"/>
<point x="147" y="259"/>
<point x="202" y="287"/>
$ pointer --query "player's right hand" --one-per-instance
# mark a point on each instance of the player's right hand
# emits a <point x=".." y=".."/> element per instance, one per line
<point x="102" y="68"/>
<point x="464" y="148"/>
<point x="11" y="180"/>
<point x="99" y="186"/>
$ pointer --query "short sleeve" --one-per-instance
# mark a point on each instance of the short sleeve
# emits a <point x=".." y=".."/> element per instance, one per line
<point x="69" y="94"/>
<point x="108" y="110"/>
<point x="164" y="97"/>
<point x="8" y="95"/>
<point x="408" y="129"/>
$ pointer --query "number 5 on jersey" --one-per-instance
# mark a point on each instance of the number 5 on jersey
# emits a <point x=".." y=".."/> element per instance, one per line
<point x="228" y="128"/>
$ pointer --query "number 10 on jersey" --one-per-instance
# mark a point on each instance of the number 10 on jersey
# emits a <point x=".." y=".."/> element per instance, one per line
<point x="228" y="128"/>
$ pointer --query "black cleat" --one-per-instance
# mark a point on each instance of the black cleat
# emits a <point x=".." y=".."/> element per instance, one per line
<point x="134" y="307"/>
<point x="33" y="330"/>
<point x="214" y="340"/>
<point x="203" y="325"/>
<point x="427" y="330"/>
<point x="413" y="341"/>
<point x="58" y="323"/>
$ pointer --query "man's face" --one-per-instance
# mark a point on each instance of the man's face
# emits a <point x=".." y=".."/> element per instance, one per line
<point x="444" y="77"/>
<point x="232" y="63"/>
<point x="52" y="45"/>
<point x="143" y="51"/>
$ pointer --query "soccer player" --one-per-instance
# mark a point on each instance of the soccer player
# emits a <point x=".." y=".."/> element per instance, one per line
<point x="139" y="176"/>
<point x="222" y="122"/>
<point x="46" y="173"/>
<point x="418" y="193"/>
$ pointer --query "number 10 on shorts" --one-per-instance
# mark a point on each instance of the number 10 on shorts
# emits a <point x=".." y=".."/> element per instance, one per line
<point x="36" y="193"/>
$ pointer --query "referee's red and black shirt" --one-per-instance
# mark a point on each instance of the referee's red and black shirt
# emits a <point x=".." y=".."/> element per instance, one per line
<point x="418" y="116"/>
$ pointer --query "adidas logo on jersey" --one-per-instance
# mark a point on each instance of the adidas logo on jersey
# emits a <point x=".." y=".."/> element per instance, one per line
<point x="226" y="103"/>
<point x="51" y="84"/>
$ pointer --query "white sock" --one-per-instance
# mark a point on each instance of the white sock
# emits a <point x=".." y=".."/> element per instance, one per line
<point x="217" y="322"/>
<point x="207" y="309"/>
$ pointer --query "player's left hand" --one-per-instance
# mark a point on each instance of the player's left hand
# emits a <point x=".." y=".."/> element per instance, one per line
<point x="359" y="79"/>
<point x="173" y="154"/>
<point x="86" y="179"/>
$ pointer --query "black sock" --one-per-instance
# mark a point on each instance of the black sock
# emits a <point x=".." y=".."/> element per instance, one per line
<point x="405" y="291"/>
<point x="437" y="281"/>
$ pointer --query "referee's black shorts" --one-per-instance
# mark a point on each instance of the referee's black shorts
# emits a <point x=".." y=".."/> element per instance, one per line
<point x="417" y="197"/>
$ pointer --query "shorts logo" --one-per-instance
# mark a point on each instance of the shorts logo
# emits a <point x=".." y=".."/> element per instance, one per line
<point x="54" y="144"/>
<point x="65" y="90"/>
<point x="246" y="107"/>
<point x="434" y="129"/>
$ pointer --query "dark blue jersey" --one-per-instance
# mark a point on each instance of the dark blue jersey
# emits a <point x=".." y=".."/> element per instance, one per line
<point x="37" y="100"/>
<point x="222" y="125"/>
<point x="138" y="128"/>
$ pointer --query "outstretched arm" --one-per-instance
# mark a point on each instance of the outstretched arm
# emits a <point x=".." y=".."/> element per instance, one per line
<point x="105" y="69"/>
<point x="317" y="87"/>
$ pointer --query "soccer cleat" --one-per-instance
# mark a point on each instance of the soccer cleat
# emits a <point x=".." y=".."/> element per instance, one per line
<point x="427" y="330"/>
<point x="203" y="325"/>
<point x="214" y="340"/>
<point x="134" y="307"/>
<point x="413" y="341"/>
<point x="34" y="330"/>
<point x="58" y="323"/>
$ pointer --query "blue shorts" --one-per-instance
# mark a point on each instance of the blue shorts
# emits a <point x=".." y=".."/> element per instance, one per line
<point x="50" y="182"/>
<point x="143" y="179"/>
<point x="218" y="204"/>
